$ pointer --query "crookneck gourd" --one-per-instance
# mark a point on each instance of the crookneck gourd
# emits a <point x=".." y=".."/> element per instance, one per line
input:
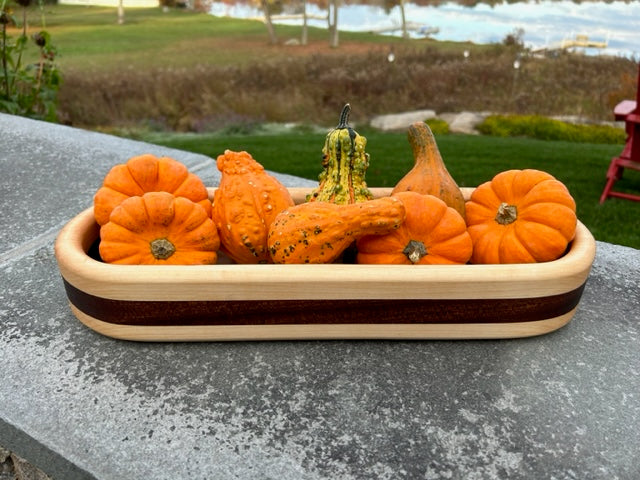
<point x="147" y="173"/>
<point x="429" y="174"/>
<point x="319" y="232"/>
<point x="159" y="229"/>
<point x="244" y="205"/>
<point x="520" y="216"/>
<point x="344" y="163"/>
<point x="432" y="233"/>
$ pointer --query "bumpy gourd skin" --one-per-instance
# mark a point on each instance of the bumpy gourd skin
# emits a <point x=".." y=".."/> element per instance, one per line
<point x="318" y="232"/>
<point x="244" y="205"/>
<point x="344" y="163"/>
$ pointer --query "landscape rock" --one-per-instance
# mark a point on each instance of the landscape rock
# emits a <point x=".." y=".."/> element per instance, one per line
<point x="463" y="122"/>
<point x="459" y="122"/>
<point x="13" y="467"/>
<point x="25" y="471"/>
<point x="400" y="121"/>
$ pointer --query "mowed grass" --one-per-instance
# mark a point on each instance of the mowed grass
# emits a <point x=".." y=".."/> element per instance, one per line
<point x="470" y="159"/>
<point x="89" y="38"/>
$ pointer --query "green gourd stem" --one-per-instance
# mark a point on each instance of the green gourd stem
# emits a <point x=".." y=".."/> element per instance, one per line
<point x="344" y="117"/>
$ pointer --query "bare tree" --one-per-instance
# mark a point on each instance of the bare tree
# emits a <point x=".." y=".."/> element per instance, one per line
<point x="305" y="33"/>
<point x="120" y="12"/>
<point x="389" y="5"/>
<point x="273" y="38"/>
<point x="332" y="18"/>
<point x="405" y="33"/>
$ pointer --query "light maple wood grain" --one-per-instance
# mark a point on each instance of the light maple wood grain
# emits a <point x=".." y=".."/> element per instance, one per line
<point x="424" y="331"/>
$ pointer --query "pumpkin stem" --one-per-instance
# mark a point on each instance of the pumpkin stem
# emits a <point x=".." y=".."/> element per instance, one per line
<point x="506" y="214"/>
<point x="161" y="248"/>
<point x="415" y="250"/>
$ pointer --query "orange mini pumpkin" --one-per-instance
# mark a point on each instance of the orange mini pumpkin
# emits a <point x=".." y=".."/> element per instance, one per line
<point x="432" y="233"/>
<point x="158" y="228"/>
<point x="245" y="204"/>
<point x="147" y="173"/>
<point x="520" y="216"/>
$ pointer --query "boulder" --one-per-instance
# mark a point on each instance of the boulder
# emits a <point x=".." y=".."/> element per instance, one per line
<point x="401" y="121"/>
<point x="463" y="122"/>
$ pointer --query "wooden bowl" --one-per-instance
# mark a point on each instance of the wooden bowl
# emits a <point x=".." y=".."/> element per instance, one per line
<point x="335" y="301"/>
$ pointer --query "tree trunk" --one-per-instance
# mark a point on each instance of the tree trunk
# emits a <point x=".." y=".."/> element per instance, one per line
<point x="305" y="35"/>
<point x="333" y="29"/>
<point x="405" y="34"/>
<point x="273" y="38"/>
<point x="120" y="12"/>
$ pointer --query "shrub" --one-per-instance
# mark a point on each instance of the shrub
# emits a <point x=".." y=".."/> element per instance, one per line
<point x="543" y="128"/>
<point x="28" y="90"/>
<point x="438" y="126"/>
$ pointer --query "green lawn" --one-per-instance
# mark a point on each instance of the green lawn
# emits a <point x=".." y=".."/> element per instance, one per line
<point x="470" y="159"/>
<point x="90" y="38"/>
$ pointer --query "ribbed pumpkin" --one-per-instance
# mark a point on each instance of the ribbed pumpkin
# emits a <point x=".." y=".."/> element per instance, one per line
<point x="432" y="233"/>
<point x="147" y="173"/>
<point x="159" y="229"/>
<point x="520" y="216"/>
<point x="245" y="204"/>
<point x="319" y="232"/>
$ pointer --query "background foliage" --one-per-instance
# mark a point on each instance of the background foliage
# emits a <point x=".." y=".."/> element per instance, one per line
<point x="188" y="71"/>
<point x="29" y="89"/>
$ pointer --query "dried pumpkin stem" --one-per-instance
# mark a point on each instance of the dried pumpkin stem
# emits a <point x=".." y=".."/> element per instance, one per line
<point x="414" y="251"/>
<point x="161" y="248"/>
<point x="506" y="214"/>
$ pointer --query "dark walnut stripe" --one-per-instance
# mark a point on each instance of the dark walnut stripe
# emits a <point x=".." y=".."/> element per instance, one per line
<point x="272" y="312"/>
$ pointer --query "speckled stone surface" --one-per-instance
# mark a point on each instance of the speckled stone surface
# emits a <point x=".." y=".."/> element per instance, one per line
<point x="80" y="405"/>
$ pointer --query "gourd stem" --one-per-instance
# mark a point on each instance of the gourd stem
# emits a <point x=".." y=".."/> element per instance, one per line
<point x="506" y="214"/>
<point x="344" y="116"/>
<point x="414" y="251"/>
<point x="161" y="248"/>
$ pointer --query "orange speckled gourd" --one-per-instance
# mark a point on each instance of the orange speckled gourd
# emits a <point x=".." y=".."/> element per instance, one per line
<point x="245" y="204"/>
<point x="520" y="216"/>
<point x="432" y="234"/>
<point x="319" y="232"/>
<point x="147" y="173"/>
<point x="159" y="229"/>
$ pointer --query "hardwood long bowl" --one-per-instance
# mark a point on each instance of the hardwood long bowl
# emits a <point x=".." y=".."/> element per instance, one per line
<point x="336" y="301"/>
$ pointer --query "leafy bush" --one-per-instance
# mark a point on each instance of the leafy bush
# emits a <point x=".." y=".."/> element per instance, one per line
<point x="543" y="128"/>
<point x="29" y="90"/>
<point x="438" y="126"/>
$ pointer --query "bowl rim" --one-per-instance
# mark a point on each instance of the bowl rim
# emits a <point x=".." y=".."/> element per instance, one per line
<point x="324" y="281"/>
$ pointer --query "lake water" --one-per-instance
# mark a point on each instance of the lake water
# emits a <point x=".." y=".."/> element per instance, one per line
<point x="544" y="22"/>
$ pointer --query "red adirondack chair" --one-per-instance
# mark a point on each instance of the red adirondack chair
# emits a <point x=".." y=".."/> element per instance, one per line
<point x="629" y="111"/>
